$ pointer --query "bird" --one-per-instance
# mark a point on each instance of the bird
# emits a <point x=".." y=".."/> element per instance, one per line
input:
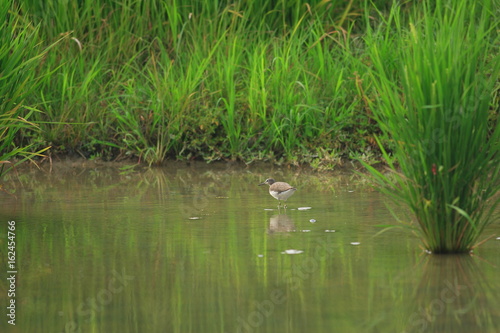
<point x="279" y="190"/>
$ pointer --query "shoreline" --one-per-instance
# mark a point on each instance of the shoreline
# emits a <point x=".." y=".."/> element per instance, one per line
<point x="49" y="163"/>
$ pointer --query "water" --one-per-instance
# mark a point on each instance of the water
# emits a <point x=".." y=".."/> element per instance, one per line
<point x="204" y="249"/>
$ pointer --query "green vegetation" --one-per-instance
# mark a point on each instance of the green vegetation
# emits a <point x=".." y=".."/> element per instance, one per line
<point x="269" y="80"/>
<point x="283" y="81"/>
<point x="20" y="54"/>
<point x="434" y="101"/>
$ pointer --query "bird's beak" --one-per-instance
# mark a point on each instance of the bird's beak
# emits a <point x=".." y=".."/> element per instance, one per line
<point x="264" y="183"/>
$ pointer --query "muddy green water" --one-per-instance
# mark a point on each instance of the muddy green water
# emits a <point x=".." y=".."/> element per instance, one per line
<point x="203" y="249"/>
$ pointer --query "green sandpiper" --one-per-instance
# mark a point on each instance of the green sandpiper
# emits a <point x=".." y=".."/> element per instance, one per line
<point x="279" y="190"/>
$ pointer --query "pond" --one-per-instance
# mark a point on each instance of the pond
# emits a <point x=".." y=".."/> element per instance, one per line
<point x="202" y="248"/>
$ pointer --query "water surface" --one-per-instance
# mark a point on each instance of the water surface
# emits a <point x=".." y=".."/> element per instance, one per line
<point x="197" y="248"/>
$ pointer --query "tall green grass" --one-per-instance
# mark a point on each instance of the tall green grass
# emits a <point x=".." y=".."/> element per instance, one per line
<point x="20" y="54"/>
<point x="434" y="90"/>
<point x="269" y="80"/>
<point x="283" y="81"/>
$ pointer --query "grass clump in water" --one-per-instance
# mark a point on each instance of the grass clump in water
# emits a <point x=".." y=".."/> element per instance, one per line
<point x="434" y="102"/>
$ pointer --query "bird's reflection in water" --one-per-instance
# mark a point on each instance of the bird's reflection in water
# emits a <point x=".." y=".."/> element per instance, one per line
<point x="280" y="223"/>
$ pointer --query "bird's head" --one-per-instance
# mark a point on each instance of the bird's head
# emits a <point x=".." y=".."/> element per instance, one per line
<point x="268" y="181"/>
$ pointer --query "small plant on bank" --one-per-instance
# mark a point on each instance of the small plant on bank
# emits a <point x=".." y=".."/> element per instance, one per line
<point x="434" y="102"/>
